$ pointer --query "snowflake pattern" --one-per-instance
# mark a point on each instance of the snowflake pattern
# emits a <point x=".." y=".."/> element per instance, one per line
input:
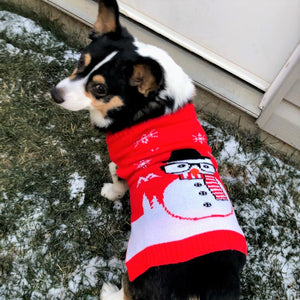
<point x="143" y="164"/>
<point x="146" y="138"/>
<point x="199" y="138"/>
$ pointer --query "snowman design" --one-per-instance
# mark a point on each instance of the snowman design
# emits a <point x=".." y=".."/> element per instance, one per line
<point x="196" y="193"/>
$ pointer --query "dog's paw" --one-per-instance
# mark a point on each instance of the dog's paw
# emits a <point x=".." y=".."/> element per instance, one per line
<point x="111" y="292"/>
<point x="110" y="192"/>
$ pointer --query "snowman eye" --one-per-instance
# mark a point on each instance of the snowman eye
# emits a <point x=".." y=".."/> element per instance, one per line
<point x="176" y="168"/>
<point x="207" y="168"/>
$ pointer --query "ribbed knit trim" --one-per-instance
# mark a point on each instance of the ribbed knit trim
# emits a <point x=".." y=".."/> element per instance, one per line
<point x="171" y="252"/>
<point x="187" y="111"/>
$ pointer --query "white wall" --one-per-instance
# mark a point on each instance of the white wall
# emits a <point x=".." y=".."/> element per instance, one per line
<point x="250" y="38"/>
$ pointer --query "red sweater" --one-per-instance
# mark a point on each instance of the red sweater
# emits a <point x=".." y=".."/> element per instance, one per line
<point x="179" y="207"/>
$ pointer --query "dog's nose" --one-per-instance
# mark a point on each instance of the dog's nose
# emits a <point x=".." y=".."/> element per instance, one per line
<point x="57" y="96"/>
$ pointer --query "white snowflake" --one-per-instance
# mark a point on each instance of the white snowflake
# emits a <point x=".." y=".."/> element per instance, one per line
<point x="145" y="138"/>
<point x="143" y="164"/>
<point x="199" y="138"/>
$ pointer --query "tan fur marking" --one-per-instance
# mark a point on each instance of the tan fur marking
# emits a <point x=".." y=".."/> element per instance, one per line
<point x="106" y="21"/>
<point x="125" y="284"/>
<point x="87" y="59"/>
<point x="73" y="74"/>
<point x="143" y="78"/>
<point x="104" y="107"/>
<point x="99" y="79"/>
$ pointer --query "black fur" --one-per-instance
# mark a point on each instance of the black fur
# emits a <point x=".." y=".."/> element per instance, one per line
<point x="137" y="108"/>
<point x="213" y="276"/>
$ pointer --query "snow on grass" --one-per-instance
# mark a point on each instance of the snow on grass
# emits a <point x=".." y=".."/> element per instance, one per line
<point x="18" y="26"/>
<point x="77" y="186"/>
<point x="98" y="158"/>
<point x="46" y="242"/>
<point x="22" y="30"/>
<point x="18" y="245"/>
<point x="86" y="274"/>
<point x="270" y="217"/>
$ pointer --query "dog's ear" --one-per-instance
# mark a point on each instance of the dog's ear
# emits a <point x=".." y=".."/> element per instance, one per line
<point x="147" y="76"/>
<point x="107" y="19"/>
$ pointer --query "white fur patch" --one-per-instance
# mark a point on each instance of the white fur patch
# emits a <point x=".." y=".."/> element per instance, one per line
<point x="104" y="61"/>
<point x="73" y="92"/>
<point x="178" y="85"/>
<point x="98" y="120"/>
<point x="111" y="292"/>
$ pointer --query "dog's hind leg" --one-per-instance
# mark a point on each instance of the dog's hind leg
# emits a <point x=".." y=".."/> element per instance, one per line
<point x="117" y="189"/>
<point x="111" y="292"/>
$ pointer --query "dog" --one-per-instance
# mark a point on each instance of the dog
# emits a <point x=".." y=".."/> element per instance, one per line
<point x="185" y="241"/>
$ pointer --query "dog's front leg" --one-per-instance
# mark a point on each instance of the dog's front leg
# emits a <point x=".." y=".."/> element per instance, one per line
<point x="117" y="189"/>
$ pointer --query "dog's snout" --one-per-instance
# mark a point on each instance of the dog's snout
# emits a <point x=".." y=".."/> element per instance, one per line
<point x="57" y="95"/>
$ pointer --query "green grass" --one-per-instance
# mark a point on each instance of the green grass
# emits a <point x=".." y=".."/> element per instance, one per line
<point x="41" y="146"/>
<point x="59" y="244"/>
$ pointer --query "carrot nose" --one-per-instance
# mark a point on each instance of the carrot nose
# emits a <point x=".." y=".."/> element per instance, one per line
<point x="194" y="172"/>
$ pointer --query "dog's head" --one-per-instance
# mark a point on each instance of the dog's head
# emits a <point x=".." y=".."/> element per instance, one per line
<point x="121" y="81"/>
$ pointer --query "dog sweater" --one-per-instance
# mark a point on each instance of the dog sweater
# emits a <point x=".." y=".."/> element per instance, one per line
<point x="179" y="207"/>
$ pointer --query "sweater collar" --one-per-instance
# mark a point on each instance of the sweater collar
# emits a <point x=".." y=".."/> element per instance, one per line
<point x="183" y="114"/>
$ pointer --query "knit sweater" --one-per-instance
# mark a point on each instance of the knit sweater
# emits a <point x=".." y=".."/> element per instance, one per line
<point x="179" y="206"/>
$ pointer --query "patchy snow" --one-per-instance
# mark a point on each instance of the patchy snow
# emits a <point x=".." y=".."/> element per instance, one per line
<point x="27" y="31"/>
<point x="97" y="158"/>
<point x="259" y="208"/>
<point x="95" y="140"/>
<point x="56" y="293"/>
<point x="77" y="186"/>
<point x="118" y="205"/>
<point x="71" y="55"/>
<point x="21" y="240"/>
<point x="11" y="49"/>
<point x="86" y="274"/>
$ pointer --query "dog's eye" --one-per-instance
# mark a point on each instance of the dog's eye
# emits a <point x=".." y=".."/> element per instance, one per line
<point x="99" y="90"/>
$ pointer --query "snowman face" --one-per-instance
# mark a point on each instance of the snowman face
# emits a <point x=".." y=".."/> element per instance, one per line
<point x="205" y="166"/>
<point x="197" y="193"/>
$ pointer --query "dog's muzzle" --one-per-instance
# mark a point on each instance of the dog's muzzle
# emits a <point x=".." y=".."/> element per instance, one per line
<point x="57" y="95"/>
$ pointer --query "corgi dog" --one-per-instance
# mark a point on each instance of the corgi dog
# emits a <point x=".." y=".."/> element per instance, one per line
<point x="185" y="240"/>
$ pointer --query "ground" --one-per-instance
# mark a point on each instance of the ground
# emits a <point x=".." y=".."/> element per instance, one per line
<point x="59" y="239"/>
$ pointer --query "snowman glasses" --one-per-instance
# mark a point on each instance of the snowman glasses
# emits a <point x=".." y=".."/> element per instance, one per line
<point x="179" y="167"/>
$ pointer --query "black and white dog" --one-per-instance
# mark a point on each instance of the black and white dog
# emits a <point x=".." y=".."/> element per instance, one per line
<point x="185" y="241"/>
